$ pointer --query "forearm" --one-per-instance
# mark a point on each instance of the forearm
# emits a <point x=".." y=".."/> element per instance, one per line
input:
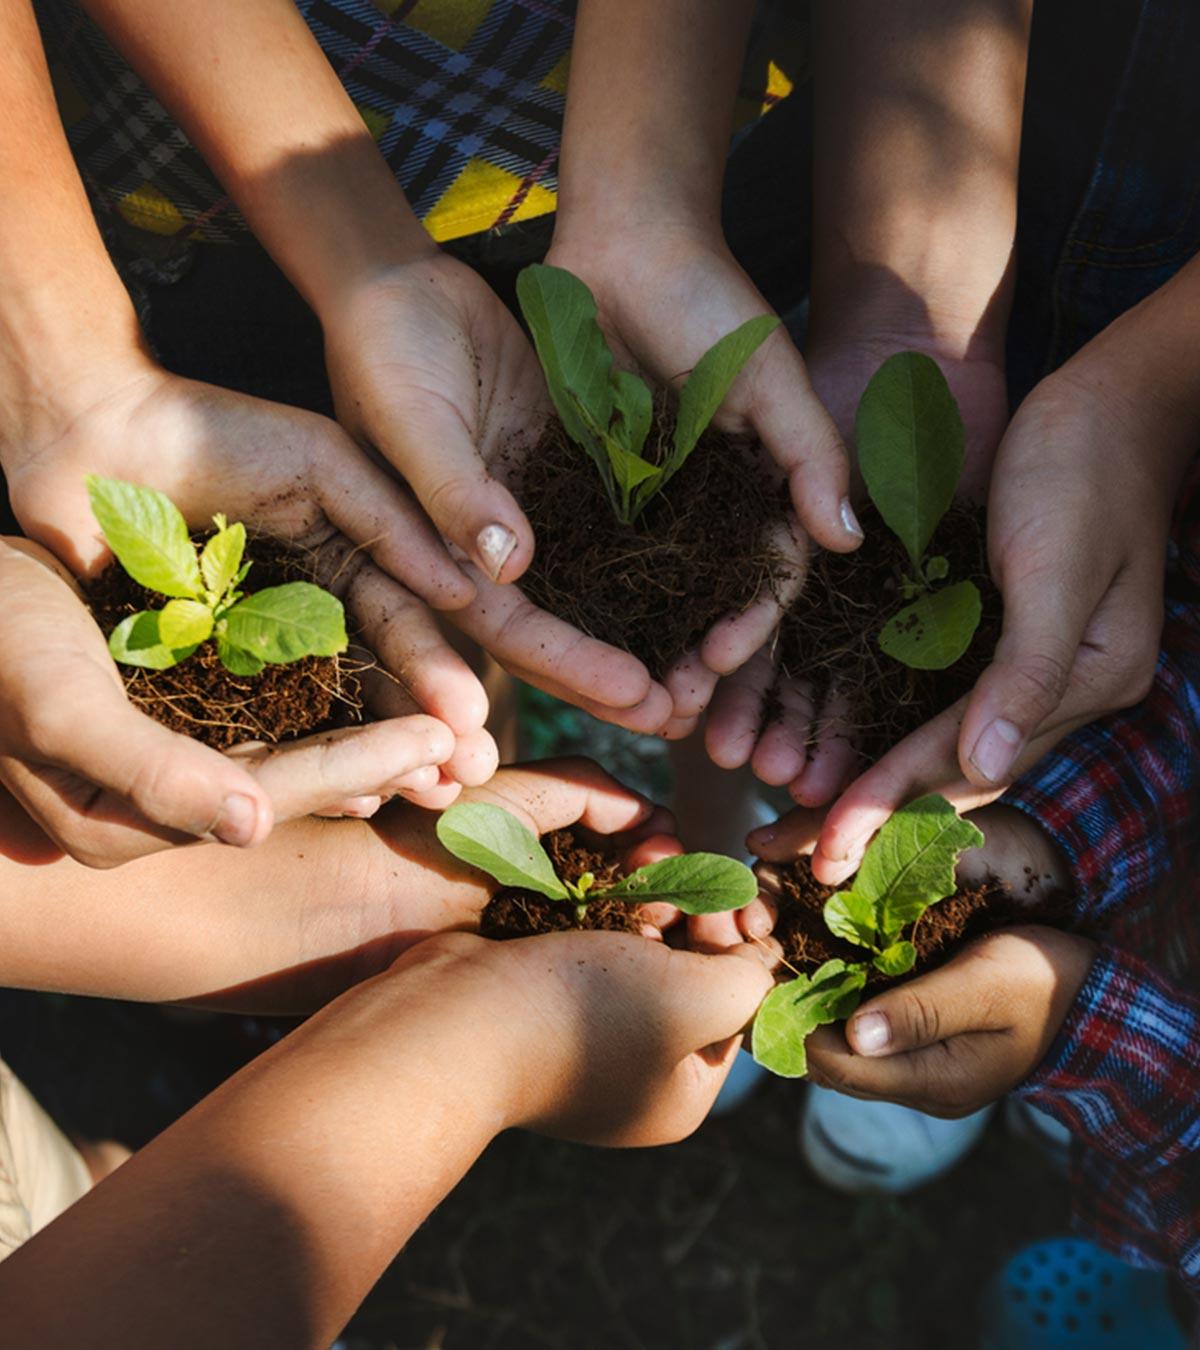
<point x="917" y="140"/>
<point x="283" y="927"/>
<point x="264" y="1216"/>
<point x="249" y="84"/>
<point x="66" y="320"/>
<point x="649" y="112"/>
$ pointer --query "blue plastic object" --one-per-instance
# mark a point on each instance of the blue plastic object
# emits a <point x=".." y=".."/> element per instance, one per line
<point x="1069" y="1293"/>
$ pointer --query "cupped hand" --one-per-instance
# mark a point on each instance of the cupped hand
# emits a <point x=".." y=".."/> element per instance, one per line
<point x="284" y="472"/>
<point x="665" y="295"/>
<point x="108" y="784"/>
<point x="430" y="369"/>
<point x="613" y="1040"/>
<point x="1078" y="520"/>
<point x="808" y="741"/>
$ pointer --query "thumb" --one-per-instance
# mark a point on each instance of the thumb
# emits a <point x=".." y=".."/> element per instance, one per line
<point x="168" y="779"/>
<point x="947" y="1002"/>
<point x="1044" y="623"/>
<point x="706" y="999"/>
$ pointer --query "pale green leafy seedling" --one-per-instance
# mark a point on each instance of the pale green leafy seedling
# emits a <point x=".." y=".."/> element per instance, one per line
<point x="907" y="867"/>
<point x="609" y="412"/>
<point x="493" y="840"/>
<point x="149" y="538"/>
<point x="910" y="440"/>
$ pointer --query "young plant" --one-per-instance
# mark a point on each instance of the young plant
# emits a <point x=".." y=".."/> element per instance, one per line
<point x="908" y="867"/>
<point x="910" y="441"/>
<point x="608" y="412"/>
<point x="489" y="838"/>
<point x="150" y="539"/>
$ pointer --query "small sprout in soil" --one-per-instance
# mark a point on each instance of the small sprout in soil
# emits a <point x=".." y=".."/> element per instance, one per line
<point x="149" y="538"/>
<point x="908" y="867"/>
<point x="608" y="412"/>
<point x="489" y="838"/>
<point x="910" y="439"/>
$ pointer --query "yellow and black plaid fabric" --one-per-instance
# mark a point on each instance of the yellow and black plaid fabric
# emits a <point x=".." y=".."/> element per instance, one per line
<point x="464" y="98"/>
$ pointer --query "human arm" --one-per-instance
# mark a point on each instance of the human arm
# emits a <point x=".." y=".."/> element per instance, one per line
<point x="289" y="925"/>
<point x="916" y="144"/>
<point x="264" y="1216"/>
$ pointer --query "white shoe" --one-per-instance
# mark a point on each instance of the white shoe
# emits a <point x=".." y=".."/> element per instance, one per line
<point x="877" y="1147"/>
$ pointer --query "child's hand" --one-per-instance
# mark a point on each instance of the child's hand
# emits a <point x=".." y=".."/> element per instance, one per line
<point x="611" y="1040"/>
<point x="283" y="471"/>
<point x="957" y="1038"/>
<point x="665" y="295"/>
<point x="109" y="784"/>
<point x="952" y="1041"/>
<point x="429" y="367"/>
<point x="1078" y="520"/>
<point x="548" y="795"/>
<point x="785" y="751"/>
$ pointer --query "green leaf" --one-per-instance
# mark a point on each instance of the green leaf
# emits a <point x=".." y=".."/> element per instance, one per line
<point x="286" y="623"/>
<point x="561" y="315"/>
<point x="937" y="569"/>
<point x="629" y="470"/>
<point x="236" y="661"/>
<point x="792" y="1010"/>
<point x="491" y="839"/>
<point x="185" y="623"/>
<point x="633" y="411"/>
<point x="910" y="863"/>
<point x="709" y="382"/>
<point x="934" y="631"/>
<point x="136" y="641"/>
<point x="851" y="915"/>
<point x="221" y="560"/>
<point x="696" y="883"/>
<point x="910" y="439"/>
<point x="898" y="959"/>
<point x="147" y="535"/>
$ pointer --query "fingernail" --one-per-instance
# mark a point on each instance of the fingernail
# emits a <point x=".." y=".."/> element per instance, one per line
<point x="849" y="519"/>
<point x="872" y="1033"/>
<point x="769" y="877"/>
<point x="996" y="749"/>
<point x="762" y="836"/>
<point x="495" y="543"/>
<point x="238" y="820"/>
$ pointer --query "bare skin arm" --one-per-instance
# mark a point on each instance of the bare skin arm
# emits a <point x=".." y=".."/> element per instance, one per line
<point x="264" y="1216"/>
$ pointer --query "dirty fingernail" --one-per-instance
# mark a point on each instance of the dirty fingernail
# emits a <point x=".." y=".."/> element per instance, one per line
<point x="495" y="543"/>
<point x="872" y="1033"/>
<point x="238" y="820"/>
<point x="996" y="749"/>
<point x="849" y="519"/>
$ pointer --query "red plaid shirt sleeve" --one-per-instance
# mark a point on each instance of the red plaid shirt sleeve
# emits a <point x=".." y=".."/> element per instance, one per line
<point x="1122" y="799"/>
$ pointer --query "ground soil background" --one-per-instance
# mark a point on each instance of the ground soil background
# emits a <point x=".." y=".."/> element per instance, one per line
<point x="723" y="1242"/>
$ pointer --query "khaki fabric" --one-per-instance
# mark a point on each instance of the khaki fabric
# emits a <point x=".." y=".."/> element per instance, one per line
<point x="41" y="1172"/>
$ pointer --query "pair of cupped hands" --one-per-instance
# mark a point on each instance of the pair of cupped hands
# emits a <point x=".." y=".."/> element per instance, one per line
<point x="432" y="373"/>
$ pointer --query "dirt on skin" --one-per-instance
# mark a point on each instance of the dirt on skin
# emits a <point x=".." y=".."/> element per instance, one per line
<point x="829" y="636"/>
<point x="698" y="551"/>
<point x="516" y="913"/>
<point x="938" y="934"/>
<point x="201" y="699"/>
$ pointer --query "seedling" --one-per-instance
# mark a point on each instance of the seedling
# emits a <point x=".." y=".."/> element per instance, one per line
<point x="607" y="412"/>
<point x="908" y="867"/>
<point x="149" y="538"/>
<point x="491" y="839"/>
<point x="910" y="441"/>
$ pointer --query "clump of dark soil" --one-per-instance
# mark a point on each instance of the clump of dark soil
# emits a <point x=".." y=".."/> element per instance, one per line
<point x="699" y="551"/>
<point x="516" y="913"/>
<point x="829" y="636"/>
<point x="943" y="928"/>
<point x="201" y="699"/>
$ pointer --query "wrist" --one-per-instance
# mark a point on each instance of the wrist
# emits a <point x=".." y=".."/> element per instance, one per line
<point x="919" y="298"/>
